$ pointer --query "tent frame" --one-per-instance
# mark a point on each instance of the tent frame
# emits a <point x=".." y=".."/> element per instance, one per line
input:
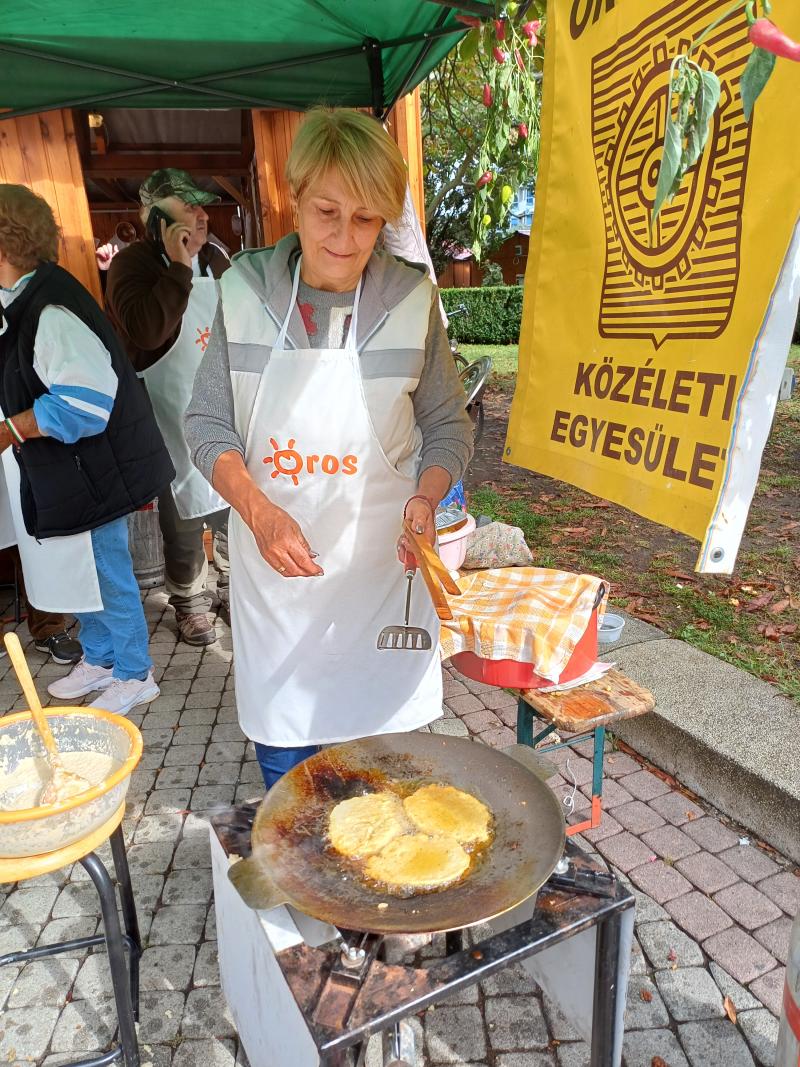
<point x="371" y="48"/>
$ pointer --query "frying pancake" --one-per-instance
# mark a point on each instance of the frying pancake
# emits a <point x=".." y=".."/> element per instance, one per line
<point x="362" y="826"/>
<point x="442" y="809"/>
<point x="418" y="860"/>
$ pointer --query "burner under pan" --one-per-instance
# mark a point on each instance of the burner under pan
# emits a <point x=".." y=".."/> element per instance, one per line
<point x="328" y="992"/>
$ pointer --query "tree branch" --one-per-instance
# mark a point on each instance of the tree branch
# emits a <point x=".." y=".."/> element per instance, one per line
<point x="436" y="203"/>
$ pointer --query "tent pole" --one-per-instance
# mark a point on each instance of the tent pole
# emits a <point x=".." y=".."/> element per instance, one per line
<point x="375" y="65"/>
<point x="423" y="52"/>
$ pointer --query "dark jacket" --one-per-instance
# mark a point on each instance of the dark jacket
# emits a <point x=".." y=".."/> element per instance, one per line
<point x="68" y="488"/>
<point x="146" y="299"/>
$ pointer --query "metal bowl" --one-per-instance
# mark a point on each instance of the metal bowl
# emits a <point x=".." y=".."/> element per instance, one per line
<point x="32" y="831"/>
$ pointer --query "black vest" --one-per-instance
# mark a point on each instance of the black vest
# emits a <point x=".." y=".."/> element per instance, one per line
<point x="69" y="488"/>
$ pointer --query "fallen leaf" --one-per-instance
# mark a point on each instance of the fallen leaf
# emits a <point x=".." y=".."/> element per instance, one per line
<point x="778" y="607"/>
<point x="789" y="628"/>
<point x="658" y="1062"/>
<point x="646" y="995"/>
<point x="730" y="1011"/>
<point x="759" y="602"/>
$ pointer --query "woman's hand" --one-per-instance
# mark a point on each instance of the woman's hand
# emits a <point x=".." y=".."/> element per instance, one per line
<point x="419" y="513"/>
<point x="281" y="542"/>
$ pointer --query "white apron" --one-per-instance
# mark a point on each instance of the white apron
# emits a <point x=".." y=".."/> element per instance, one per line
<point x="307" y="667"/>
<point x="169" y="383"/>
<point x="60" y="573"/>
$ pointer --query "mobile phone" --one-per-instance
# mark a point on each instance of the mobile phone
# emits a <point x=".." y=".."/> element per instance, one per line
<point x="154" y="220"/>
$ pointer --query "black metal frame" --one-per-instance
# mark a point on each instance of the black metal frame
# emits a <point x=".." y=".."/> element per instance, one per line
<point x="370" y="47"/>
<point x="462" y="967"/>
<point x="124" y="978"/>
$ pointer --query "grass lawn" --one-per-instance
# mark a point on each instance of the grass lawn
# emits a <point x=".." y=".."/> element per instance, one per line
<point x="750" y="618"/>
<point x="504" y="358"/>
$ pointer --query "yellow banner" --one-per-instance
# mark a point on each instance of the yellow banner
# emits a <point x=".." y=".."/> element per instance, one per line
<point x="650" y="361"/>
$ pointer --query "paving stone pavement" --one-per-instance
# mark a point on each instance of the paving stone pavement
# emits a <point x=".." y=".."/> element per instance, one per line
<point x="712" y="922"/>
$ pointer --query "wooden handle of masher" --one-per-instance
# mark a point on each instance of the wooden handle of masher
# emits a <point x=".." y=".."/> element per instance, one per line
<point x="435" y="565"/>
<point x="25" y="679"/>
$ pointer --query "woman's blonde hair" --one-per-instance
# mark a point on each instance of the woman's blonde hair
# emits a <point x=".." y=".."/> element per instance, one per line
<point x="28" y="231"/>
<point x="358" y="148"/>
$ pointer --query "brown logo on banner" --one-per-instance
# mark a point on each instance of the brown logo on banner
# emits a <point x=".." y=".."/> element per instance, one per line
<point x="680" y="280"/>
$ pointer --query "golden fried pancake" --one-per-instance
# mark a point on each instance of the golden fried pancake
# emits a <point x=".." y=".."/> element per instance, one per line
<point x="418" y="860"/>
<point x="362" y="826"/>
<point x="442" y="809"/>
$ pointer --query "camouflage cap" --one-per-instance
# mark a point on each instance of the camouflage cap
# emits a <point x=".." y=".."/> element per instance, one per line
<point x="172" y="182"/>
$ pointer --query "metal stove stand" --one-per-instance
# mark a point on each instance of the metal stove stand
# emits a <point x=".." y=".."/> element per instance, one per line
<point x="124" y="975"/>
<point x="346" y="991"/>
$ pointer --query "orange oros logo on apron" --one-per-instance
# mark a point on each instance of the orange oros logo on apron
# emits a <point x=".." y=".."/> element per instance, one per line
<point x="292" y="464"/>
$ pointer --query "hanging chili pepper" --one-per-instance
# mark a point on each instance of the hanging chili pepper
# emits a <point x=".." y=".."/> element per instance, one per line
<point x="522" y="130"/>
<point x="469" y="20"/>
<point x="519" y="60"/>
<point x="484" y="179"/>
<point x="500" y="29"/>
<point x="531" y="31"/>
<point x="487" y="95"/>
<point x="499" y="54"/>
<point x="765" y="34"/>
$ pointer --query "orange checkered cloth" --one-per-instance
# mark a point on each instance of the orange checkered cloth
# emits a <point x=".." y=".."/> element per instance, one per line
<point x="528" y="614"/>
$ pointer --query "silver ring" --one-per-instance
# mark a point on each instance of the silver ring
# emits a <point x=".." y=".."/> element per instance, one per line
<point x="419" y="529"/>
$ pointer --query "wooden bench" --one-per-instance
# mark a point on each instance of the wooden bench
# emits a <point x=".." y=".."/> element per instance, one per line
<point x="584" y="712"/>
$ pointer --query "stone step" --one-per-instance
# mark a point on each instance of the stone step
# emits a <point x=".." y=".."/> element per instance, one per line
<point x="728" y="736"/>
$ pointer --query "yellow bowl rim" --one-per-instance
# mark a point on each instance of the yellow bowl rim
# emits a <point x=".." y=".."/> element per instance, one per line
<point x="80" y="799"/>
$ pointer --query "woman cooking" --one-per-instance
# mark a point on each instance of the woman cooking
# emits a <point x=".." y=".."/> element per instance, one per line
<point x="326" y="408"/>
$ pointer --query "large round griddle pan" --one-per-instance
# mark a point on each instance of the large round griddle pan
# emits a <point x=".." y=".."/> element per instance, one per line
<point x="293" y="863"/>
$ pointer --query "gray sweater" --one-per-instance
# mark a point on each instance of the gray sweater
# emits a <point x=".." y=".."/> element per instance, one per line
<point x="438" y="399"/>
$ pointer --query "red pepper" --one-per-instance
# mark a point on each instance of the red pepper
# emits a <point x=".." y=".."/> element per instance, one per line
<point x="487" y="95"/>
<point x="522" y="130"/>
<point x="469" y="20"/>
<point x="484" y="179"/>
<point x="520" y="61"/>
<point x="531" y="31"/>
<point x="499" y="54"/>
<point x="500" y="29"/>
<point x="765" y="34"/>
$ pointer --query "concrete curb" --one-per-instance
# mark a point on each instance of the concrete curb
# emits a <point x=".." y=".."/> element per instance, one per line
<point x="728" y="736"/>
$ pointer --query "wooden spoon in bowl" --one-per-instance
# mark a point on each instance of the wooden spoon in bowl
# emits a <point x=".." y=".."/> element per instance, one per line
<point x="63" y="783"/>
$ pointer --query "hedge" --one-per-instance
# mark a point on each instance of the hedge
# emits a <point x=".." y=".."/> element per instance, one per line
<point x="495" y="312"/>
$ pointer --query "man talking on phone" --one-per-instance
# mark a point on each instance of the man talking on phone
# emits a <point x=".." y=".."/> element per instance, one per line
<point x="162" y="296"/>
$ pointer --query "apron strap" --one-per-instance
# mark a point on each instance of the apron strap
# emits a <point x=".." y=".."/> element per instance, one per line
<point x="352" y="333"/>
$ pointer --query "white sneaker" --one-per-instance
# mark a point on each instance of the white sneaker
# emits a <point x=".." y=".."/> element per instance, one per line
<point x="82" y="679"/>
<point x="119" y="697"/>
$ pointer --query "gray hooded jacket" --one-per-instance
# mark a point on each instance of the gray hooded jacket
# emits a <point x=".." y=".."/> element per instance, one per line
<point x="438" y="399"/>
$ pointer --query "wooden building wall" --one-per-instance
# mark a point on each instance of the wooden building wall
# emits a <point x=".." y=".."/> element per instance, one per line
<point x="40" y="151"/>
<point x="512" y="256"/>
<point x="460" y="274"/>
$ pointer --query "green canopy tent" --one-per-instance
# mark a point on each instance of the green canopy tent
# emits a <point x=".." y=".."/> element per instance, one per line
<point x="284" y="54"/>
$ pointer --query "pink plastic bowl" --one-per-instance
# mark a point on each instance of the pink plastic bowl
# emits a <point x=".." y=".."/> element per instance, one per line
<point x="453" y="546"/>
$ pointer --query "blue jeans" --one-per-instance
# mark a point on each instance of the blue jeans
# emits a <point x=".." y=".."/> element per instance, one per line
<point x="275" y="762"/>
<point x="116" y="636"/>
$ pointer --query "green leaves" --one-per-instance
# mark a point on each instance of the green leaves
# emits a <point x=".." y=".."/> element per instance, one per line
<point x="669" y="175"/>
<point x="756" y="75"/>
<point x="696" y="95"/>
